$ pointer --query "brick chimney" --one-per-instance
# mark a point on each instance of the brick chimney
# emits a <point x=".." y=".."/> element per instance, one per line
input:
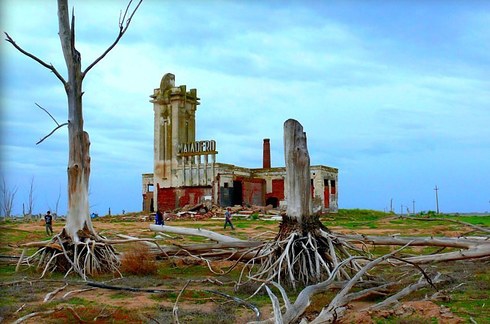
<point x="267" y="154"/>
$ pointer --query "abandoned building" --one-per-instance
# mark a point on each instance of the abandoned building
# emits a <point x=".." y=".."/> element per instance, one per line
<point x="186" y="172"/>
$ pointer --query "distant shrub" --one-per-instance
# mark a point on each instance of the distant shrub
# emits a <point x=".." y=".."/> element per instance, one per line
<point x="138" y="261"/>
<point x="254" y="216"/>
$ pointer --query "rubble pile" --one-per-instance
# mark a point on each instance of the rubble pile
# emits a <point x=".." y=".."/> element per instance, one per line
<point x="207" y="211"/>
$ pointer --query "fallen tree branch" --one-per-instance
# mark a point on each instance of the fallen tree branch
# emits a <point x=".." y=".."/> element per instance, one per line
<point x="77" y="291"/>
<point x="394" y="299"/>
<point x="175" y="310"/>
<point x="197" y="232"/>
<point x="461" y="243"/>
<point x="74" y="313"/>
<point x="294" y="311"/>
<point x="34" y="314"/>
<point x="53" y="293"/>
<point x="101" y="285"/>
<point x="478" y="252"/>
<point x="476" y="227"/>
<point x="239" y="301"/>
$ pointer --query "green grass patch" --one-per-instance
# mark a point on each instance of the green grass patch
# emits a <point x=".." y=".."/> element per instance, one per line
<point x="354" y="218"/>
<point x="79" y="301"/>
<point x="470" y="304"/>
<point x="7" y="270"/>
<point x="121" y="295"/>
<point x="475" y="220"/>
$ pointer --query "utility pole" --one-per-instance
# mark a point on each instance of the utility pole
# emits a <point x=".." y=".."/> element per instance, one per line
<point x="391" y="205"/>
<point x="401" y="210"/>
<point x="413" y="208"/>
<point x="437" y="200"/>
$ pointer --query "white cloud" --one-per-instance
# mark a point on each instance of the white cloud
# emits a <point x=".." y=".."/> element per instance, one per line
<point x="396" y="101"/>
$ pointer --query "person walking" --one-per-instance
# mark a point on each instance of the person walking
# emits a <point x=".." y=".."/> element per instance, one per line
<point x="48" y="221"/>
<point x="159" y="218"/>
<point x="228" y="218"/>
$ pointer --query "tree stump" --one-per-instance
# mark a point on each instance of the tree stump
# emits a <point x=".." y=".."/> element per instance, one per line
<point x="298" y="183"/>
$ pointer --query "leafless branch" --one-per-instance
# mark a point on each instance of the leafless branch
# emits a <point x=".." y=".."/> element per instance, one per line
<point x="47" y="112"/>
<point x="54" y="130"/>
<point x="74" y="313"/>
<point x="102" y="285"/>
<point x="424" y="281"/>
<point x="239" y="301"/>
<point x="35" y="58"/>
<point x="175" y="310"/>
<point x="53" y="293"/>
<point x="31" y="315"/>
<point x="123" y="27"/>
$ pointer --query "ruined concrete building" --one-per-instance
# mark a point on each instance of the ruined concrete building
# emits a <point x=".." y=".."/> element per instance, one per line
<point x="186" y="172"/>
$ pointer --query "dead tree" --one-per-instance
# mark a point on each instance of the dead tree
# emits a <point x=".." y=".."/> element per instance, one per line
<point x="30" y="203"/>
<point x="304" y="250"/>
<point x="8" y="196"/>
<point x="78" y="247"/>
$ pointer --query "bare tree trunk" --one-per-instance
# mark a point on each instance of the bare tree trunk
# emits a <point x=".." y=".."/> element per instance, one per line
<point x="57" y="203"/>
<point x="82" y="249"/>
<point x="298" y="188"/>
<point x="31" y="198"/>
<point x="78" y="217"/>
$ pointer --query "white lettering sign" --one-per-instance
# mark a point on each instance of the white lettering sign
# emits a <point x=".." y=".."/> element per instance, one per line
<point x="196" y="148"/>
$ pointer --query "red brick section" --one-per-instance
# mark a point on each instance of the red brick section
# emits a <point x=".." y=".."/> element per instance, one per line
<point x="277" y="189"/>
<point x="253" y="191"/>
<point x="167" y="197"/>
<point x="266" y="154"/>
<point x="326" y="197"/>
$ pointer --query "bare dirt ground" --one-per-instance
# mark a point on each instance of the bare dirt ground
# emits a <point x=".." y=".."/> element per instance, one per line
<point x="196" y="305"/>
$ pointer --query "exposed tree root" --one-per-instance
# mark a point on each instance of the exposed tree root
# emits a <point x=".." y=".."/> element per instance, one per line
<point x="87" y="257"/>
<point x="309" y="255"/>
<point x="337" y="306"/>
<point x="302" y="254"/>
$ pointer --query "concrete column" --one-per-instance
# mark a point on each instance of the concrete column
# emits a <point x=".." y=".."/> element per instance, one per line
<point x="206" y="180"/>
<point x="329" y="194"/>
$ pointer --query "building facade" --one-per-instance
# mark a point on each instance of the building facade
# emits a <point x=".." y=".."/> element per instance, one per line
<point x="186" y="171"/>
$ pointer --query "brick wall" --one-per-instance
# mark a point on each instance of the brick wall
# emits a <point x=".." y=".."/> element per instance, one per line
<point x="172" y="198"/>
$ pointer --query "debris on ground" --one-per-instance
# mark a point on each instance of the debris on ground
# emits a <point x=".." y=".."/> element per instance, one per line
<point x="207" y="211"/>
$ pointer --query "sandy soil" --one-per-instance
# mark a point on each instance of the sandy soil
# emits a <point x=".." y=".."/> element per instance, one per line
<point x="424" y="309"/>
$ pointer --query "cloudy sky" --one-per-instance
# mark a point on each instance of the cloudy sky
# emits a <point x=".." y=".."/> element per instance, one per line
<point x="395" y="94"/>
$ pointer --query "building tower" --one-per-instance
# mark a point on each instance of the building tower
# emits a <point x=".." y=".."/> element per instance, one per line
<point x="175" y="124"/>
<point x="179" y="160"/>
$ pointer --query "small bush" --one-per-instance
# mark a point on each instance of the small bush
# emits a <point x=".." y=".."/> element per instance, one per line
<point x="139" y="261"/>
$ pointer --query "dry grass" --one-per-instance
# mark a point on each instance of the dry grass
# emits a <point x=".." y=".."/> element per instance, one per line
<point x="138" y="261"/>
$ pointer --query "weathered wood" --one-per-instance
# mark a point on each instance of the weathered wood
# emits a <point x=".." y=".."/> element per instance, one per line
<point x="79" y="154"/>
<point x="297" y="186"/>
<point x="99" y="256"/>
<point x="148" y="290"/>
<point x="193" y="231"/>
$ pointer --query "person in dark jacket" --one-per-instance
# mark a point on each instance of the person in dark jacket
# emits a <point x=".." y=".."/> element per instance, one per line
<point x="48" y="221"/>
<point x="159" y="218"/>
<point x="228" y="218"/>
